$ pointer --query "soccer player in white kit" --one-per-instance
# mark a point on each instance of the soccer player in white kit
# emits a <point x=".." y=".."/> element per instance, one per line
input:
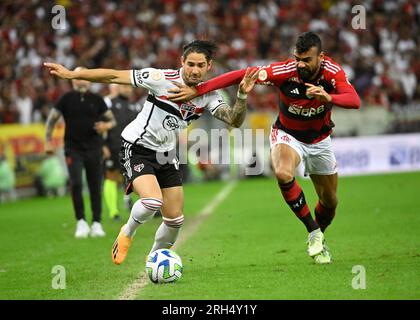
<point x="152" y="136"/>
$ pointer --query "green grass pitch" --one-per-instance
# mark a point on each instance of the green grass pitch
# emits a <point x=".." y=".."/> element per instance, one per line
<point x="251" y="247"/>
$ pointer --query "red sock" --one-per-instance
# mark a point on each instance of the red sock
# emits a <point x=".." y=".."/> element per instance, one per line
<point x="323" y="216"/>
<point x="295" y="198"/>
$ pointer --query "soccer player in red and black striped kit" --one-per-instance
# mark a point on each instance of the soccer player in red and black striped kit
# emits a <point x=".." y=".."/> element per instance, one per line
<point x="310" y="84"/>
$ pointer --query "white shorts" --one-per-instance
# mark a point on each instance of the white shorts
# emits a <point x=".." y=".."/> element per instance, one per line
<point x="318" y="158"/>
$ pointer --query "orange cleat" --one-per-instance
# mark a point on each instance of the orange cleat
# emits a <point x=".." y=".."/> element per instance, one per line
<point x="120" y="247"/>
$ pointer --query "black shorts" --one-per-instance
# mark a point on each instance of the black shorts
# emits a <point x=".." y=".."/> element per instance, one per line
<point x="137" y="160"/>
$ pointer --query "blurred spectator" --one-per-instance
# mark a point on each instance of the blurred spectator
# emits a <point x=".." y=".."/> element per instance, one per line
<point x="381" y="61"/>
<point x="51" y="178"/>
<point x="24" y="106"/>
<point x="7" y="181"/>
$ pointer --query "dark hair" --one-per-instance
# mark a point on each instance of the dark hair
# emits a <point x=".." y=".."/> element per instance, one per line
<point x="308" y="40"/>
<point x="207" y="48"/>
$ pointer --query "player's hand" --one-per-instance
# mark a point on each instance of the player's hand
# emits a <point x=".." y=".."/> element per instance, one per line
<point x="248" y="81"/>
<point x="49" y="148"/>
<point x="59" y="70"/>
<point x="101" y="127"/>
<point x="318" y="93"/>
<point x="182" y="93"/>
<point x="106" y="152"/>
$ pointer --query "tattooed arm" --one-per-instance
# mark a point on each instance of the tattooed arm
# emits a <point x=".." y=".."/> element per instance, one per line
<point x="52" y="119"/>
<point x="235" y="115"/>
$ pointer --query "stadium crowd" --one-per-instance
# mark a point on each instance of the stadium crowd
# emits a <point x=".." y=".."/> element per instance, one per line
<point x="380" y="60"/>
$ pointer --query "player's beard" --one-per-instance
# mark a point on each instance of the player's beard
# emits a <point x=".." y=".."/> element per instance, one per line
<point x="305" y="74"/>
<point x="192" y="83"/>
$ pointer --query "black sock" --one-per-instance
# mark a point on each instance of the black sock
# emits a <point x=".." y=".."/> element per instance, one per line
<point x="309" y="223"/>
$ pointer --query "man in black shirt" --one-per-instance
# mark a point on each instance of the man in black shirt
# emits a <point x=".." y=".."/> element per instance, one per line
<point x="82" y="112"/>
<point x="124" y="112"/>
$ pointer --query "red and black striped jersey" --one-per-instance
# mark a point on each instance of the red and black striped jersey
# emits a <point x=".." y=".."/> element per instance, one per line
<point x="302" y="116"/>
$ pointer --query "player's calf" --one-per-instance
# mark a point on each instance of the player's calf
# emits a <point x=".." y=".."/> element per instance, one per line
<point x="324" y="215"/>
<point x="295" y="198"/>
<point x="167" y="232"/>
<point x="141" y="212"/>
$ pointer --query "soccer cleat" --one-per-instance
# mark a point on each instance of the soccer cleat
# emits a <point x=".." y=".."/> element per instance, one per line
<point x="324" y="257"/>
<point x="315" y="242"/>
<point x="82" y="229"/>
<point x="96" y="230"/>
<point x="120" y="247"/>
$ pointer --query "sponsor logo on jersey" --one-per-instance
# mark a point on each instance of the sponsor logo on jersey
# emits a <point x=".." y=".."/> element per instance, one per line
<point x="138" y="167"/>
<point x="306" y="112"/>
<point x="170" y="123"/>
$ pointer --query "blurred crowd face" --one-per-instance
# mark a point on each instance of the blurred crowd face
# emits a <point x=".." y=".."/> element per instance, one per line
<point x="308" y="63"/>
<point x="195" y="68"/>
<point x="80" y="85"/>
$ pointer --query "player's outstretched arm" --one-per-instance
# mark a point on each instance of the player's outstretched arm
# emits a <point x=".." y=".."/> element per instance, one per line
<point x="93" y="75"/>
<point x="185" y="93"/>
<point x="235" y="115"/>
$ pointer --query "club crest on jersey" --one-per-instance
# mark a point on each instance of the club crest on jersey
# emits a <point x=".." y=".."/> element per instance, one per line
<point x="156" y="75"/>
<point x="138" y="167"/>
<point x="188" y="111"/>
<point x="170" y="123"/>
<point x="262" y="75"/>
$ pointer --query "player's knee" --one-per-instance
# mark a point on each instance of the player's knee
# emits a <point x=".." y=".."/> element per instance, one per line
<point x="174" y="222"/>
<point x="152" y="203"/>
<point x="283" y="176"/>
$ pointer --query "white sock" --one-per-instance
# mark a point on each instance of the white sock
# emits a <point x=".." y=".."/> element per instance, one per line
<point x="142" y="211"/>
<point x="167" y="233"/>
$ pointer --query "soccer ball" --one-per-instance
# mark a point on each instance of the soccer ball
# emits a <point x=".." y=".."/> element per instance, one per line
<point x="163" y="266"/>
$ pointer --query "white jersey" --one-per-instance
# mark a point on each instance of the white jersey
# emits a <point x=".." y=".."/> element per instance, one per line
<point x="158" y="124"/>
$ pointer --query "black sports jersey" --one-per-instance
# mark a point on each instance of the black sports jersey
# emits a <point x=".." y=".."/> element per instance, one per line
<point x="80" y="112"/>
<point x="124" y="112"/>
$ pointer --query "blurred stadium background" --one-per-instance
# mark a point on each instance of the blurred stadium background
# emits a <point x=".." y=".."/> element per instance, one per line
<point x="381" y="62"/>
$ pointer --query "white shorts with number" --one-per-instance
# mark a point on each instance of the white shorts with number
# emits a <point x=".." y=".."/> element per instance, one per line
<point x="318" y="158"/>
